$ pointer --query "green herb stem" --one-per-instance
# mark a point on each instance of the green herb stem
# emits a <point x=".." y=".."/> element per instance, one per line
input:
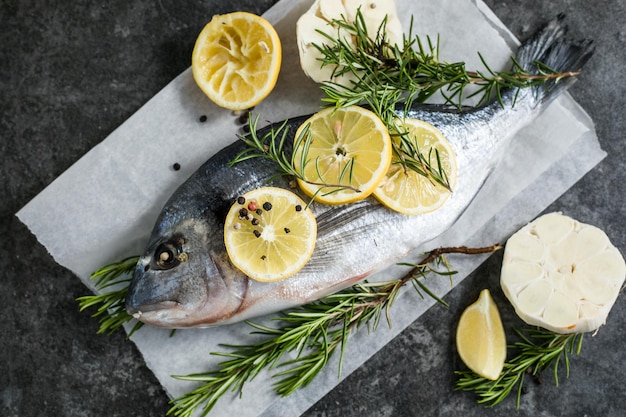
<point x="110" y="304"/>
<point x="537" y="350"/>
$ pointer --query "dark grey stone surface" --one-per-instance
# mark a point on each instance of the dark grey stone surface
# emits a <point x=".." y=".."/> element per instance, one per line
<point x="71" y="73"/>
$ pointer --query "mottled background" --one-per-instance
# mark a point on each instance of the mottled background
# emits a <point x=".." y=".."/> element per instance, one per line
<point x="71" y="72"/>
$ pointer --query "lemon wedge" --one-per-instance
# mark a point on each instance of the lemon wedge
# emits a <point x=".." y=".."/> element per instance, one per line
<point x="480" y="338"/>
<point x="236" y="60"/>
<point x="345" y="155"/>
<point x="561" y="274"/>
<point x="270" y="234"/>
<point x="409" y="192"/>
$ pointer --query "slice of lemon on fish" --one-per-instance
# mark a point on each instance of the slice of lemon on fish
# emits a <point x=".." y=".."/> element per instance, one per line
<point x="342" y="154"/>
<point x="409" y="192"/>
<point x="270" y="234"/>
<point x="561" y="274"/>
<point x="236" y="60"/>
<point x="480" y="338"/>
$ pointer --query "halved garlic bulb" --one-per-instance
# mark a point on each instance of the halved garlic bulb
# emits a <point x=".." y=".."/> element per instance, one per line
<point x="561" y="274"/>
<point x="320" y="17"/>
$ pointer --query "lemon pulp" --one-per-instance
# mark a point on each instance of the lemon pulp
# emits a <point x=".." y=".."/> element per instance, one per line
<point x="344" y="156"/>
<point x="480" y="338"/>
<point x="409" y="192"/>
<point x="236" y="60"/>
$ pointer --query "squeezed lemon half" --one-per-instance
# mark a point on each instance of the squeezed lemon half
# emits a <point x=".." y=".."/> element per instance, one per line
<point x="480" y="338"/>
<point x="270" y="234"/>
<point x="236" y="60"/>
<point x="409" y="192"/>
<point x="345" y="157"/>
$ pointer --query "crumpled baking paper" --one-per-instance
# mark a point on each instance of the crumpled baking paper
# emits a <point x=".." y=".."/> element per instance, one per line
<point x="104" y="206"/>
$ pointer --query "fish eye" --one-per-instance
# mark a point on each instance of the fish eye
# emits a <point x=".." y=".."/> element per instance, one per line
<point x="166" y="256"/>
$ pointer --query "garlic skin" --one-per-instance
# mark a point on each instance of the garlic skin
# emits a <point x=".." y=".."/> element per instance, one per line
<point x="561" y="274"/>
<point x="320" y="16"/>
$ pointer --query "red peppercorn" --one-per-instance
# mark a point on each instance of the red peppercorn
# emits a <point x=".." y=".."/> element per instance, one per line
<point x="252" y="206"/>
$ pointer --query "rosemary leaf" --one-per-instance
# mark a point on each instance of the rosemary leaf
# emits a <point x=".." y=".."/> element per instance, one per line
<point x="110" y="305"/>
<point x="537" y="350"/>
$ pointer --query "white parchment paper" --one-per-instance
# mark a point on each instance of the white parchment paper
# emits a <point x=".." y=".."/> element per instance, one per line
<point x="103" y="208"/>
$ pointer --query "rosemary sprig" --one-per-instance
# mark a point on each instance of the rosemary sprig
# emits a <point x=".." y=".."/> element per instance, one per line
<point x="313" y="332"/>
<point x="538" y="350"/>
<point x="384" y="75"/>
<point x="411" y="157"/>
<point x="270" y="146"/>
<point x="111" y="309"/>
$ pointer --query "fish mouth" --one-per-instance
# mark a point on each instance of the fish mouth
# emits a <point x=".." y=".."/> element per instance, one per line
<point x="138" y="312"/>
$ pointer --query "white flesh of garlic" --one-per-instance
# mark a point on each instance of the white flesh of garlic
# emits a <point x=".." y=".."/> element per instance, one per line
<point x="561" y="274"/>
<point x="320" y="16"/>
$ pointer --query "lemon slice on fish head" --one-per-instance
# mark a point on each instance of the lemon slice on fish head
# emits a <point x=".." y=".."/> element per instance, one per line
<point x="342" y="154"/>
<point x="405" y="190"/>
<point x="236" y="60"/>
<point x="480" y="337"/>
<point x="269" y="234"/>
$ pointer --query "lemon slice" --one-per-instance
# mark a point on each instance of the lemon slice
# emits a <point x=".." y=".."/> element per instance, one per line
<point x="269" y="234"/>
<point x="405" y="190"/>
<point x="345" y="157"/>
<point x="561" y="274"/>
<point x="480" y="338"/>
<point x="236" y="60"/>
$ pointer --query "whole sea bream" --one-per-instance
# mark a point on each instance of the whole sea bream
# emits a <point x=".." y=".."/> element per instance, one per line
<point x="195" y="285"/>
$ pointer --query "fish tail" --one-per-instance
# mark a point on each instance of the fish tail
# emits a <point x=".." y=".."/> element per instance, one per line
<point x="560" y="55"/>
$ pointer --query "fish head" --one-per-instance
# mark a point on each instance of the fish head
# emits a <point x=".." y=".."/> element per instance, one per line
<point x="184" y="279"/>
